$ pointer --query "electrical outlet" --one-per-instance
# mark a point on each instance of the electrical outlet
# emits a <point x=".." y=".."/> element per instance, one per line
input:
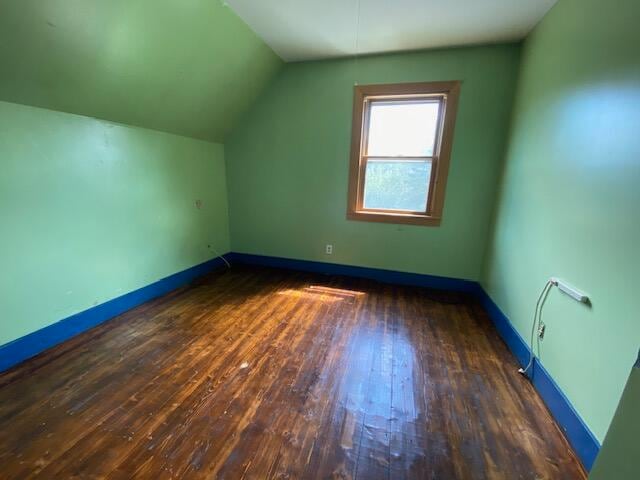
<point x="541" y="328"/>
<point x="328" y="249"/>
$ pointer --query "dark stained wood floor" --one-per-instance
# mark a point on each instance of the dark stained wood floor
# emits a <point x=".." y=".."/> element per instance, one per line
<point x="258" y="373"/>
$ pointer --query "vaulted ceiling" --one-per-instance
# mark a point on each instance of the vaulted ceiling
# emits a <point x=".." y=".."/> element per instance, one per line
<point x="189" y="67"/>
<point x="192" y="67"/>
<point x="311" y="29"/>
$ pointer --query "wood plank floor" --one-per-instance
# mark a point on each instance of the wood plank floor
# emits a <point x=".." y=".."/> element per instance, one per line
<point x="261" y="373"/>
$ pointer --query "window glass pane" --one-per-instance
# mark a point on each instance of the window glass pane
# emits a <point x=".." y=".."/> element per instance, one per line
<point x="397" y="185"/>
<point x="398" y="128"/>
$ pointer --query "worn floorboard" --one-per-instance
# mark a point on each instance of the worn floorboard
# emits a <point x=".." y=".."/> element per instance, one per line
<point x="263" y="373"/>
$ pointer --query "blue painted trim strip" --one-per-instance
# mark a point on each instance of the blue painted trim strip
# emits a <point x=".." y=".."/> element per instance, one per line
<point x="34" y="343"/>
<point x="384" y="276"/>
<point x="577" y="432"/>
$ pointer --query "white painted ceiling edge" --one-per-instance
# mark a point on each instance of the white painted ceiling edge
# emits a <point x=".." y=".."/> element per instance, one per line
<point x="313" y="29"/>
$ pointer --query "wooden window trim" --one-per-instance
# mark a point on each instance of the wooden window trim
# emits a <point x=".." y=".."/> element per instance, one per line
<point x="447" y="93"/>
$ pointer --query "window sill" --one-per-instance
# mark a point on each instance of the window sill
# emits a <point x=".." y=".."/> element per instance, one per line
<point x="397" y="218"/>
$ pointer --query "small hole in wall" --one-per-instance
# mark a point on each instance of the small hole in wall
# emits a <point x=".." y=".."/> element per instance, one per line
<point x="198" y="204"/>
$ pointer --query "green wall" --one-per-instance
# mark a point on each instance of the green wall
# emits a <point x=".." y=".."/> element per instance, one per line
<point x="619" y="458"/>
<point x="570" y="196"/>
<point x="187" y="67"/>
<point x="92" y="210"/>
<point x="288" y="163"/>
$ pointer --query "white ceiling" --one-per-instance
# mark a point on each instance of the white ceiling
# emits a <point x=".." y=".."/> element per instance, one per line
<point x="311" y="29"/>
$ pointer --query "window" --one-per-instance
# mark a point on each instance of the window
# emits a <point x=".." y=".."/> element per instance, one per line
<point x="401" y="143"/>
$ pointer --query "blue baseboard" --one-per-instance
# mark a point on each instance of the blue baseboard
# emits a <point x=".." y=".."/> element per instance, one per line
<point x="384" y="276"/>
<point x="34" y="343"/>
<point x="578" y="434"/>
<point x="584" y="443"/>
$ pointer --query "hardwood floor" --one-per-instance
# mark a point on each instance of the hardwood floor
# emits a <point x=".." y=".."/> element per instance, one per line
<point x="259" y="373"/>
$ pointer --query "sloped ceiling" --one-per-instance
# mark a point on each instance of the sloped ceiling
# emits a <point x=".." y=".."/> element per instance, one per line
<point x="311" y="29"/>
<point x="189" y="67"/>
